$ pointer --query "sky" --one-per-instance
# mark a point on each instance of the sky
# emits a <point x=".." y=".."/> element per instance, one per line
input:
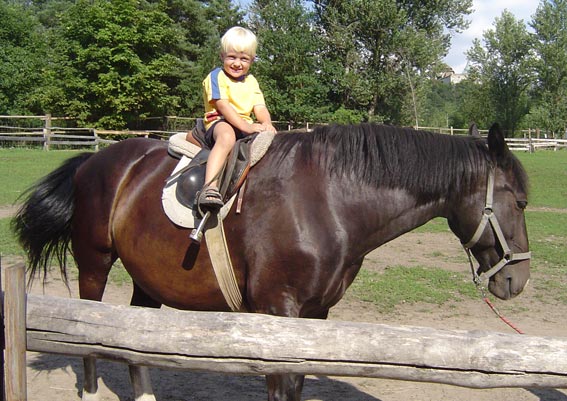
<point x="482" y="19"/>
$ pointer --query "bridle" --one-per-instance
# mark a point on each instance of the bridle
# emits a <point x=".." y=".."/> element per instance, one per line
<point x="488" y="216"/>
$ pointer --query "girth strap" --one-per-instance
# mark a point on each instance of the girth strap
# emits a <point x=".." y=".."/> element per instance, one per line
<point x="222" y="265"/>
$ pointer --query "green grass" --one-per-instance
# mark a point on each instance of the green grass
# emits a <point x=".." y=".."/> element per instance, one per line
<point x="437" y="225"/>
<point x="8" y="244"/>
<point x="547" y="171"/>
<point x="400" y="284"/>
<point x="20" y="168"/>
<point x="547" y="233"/>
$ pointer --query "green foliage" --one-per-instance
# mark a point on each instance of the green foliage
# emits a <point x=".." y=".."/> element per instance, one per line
<point x="119" y="57"/>
<point x="22" y="54"/>
<point x="503" y="66"/>
<point x="112" y="63"/>
<point x="550" y="92"/>
<point x="344" y="116"/>
<point x="385" y="50"/>
<point x="288" y="61"/>
<point x="438" y="109"/>
<point x="473" y="104"/>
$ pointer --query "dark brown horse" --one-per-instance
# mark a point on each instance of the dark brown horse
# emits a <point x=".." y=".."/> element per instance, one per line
<point x="314" y="206"/>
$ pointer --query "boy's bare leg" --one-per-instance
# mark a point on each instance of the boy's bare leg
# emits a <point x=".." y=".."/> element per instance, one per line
<point x="224" y="142"/>
<point x="210" y="199"/>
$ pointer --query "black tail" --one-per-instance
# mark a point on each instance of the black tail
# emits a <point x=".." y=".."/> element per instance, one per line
<point x="43" y="223"/>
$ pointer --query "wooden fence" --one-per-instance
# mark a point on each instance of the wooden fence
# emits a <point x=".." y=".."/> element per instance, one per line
<point x="532" y="144"/>
<point x="237" y="343"/>
<point x="50" y="137"/>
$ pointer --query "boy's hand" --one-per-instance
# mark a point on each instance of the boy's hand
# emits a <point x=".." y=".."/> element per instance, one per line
<point x="268" y="128"/>
<point x="257" y="127"/>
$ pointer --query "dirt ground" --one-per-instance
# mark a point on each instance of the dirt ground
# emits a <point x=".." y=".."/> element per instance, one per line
<point x="58" y="378"/>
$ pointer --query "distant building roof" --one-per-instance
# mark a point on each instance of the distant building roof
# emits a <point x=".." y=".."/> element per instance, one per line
<point x="449" y="77"/>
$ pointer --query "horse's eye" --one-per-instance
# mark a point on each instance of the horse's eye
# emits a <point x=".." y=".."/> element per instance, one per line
<point x="522" y="204"/>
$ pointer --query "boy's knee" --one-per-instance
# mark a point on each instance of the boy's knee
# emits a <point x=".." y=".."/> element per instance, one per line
<point x="225" y="133"/>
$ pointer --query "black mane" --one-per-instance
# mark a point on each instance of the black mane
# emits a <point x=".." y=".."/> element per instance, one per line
<point x="421" y="162"/>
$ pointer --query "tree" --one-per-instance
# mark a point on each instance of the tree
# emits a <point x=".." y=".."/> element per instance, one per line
<point x="550" y="27"/>
<point x="384" y="51"/>
<point x="22" y="58"/>
<point x="471" y="104"/>
<point x="504" y="68"/>
<point x="289" y="67"/>
<point x="119" y="61"/>
<point x="438" y="109"/>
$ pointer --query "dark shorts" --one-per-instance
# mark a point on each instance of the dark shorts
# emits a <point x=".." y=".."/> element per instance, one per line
<point x="210" y="139"/>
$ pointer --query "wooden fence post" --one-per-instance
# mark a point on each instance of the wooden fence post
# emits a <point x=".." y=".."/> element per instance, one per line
<point x="2" y="343"/>
<point x="47" y="131"/>
<point x="15" y="315"/>
<point x="97" y="146"/>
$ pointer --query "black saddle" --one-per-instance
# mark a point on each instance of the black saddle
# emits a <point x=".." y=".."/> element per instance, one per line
<point x="192" y="178"/>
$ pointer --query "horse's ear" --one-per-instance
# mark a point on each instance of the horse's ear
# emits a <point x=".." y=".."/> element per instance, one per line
<point x="496" y="142"/>
<point x="473" y="131"/>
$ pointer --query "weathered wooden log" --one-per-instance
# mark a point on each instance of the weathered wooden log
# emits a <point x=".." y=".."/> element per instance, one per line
<point x="15" y="329"/>
<point x="259" y="344"/>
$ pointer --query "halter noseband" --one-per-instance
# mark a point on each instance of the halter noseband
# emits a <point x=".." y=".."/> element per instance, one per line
<point x="489" y="216"/>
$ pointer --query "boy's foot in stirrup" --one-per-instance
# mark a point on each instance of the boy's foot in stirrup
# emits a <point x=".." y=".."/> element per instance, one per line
<point x="209" y="199"/>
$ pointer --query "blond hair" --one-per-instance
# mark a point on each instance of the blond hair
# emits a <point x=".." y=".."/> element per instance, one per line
<point x="239" y="39"/>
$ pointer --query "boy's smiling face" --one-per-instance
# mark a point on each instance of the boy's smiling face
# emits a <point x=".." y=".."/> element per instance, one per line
<point x="236" y="64"/>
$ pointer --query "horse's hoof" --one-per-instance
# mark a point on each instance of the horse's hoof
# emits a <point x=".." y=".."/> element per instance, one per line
<point x="90" y="396"/>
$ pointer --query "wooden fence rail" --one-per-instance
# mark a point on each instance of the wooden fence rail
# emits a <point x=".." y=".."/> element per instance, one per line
<point x="238" y="343"/>
<point x="533" y="144"/>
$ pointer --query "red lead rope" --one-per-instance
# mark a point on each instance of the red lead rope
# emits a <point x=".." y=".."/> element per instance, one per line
<point x="485" y="299"/>
<point x="500" y="315"/>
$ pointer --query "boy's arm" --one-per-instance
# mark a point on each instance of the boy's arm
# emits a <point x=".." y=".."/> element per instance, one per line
<point x="223" y="107"/>
<point x="263" y="116"/>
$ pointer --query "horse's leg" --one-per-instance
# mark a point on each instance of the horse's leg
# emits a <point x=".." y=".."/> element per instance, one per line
<point x="288" y="387"/>
<point x="285" y="387"/>
<point x="140" y="375"/>
<point x="90" y="385"/>
<point x="93" y="272"/>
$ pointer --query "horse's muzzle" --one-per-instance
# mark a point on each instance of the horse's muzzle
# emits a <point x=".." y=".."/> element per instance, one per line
<point x="511" y="280"/>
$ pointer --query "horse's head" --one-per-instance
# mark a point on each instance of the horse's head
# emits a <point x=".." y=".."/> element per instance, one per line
<point x="491" y="224"/>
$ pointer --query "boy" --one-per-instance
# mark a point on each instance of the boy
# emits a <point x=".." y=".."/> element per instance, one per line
<point x="230" y="95"/>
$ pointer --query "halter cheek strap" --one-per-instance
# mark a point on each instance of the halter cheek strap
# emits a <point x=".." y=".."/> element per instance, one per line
<point x="488" y="216"/>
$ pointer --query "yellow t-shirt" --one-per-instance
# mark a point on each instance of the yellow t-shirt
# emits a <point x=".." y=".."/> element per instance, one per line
<point x="243" y="95"/>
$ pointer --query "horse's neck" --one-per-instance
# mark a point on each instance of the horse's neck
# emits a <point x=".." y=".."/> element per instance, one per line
<point x="393" y="213"/>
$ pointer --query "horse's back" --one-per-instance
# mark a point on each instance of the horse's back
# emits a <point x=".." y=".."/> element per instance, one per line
<point x="101" y="181"/>
<point x="121" y="155"/>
